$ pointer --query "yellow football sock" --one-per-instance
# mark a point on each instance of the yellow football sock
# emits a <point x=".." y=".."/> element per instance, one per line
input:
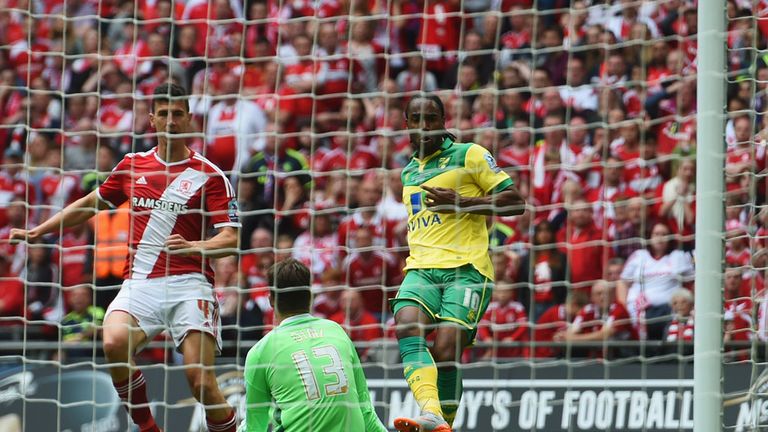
<point x="423" y="383"/>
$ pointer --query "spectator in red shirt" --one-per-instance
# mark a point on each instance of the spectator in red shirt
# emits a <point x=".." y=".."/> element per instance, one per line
<point x="519" y="34"/>
<point x="316" y="247"/>
<point x="211" y="19"/>
<point x="678" y="199"/>
<point x="641" y="172"/>
<point x="738" y="307"/>
<point x="603" y="319"/>
<point x="360" y="324"/>
<point x="604" y="198"/>
<point x="338" y="73"/>
<point x="555" y="320"/>
<point x="582" y="242"/>
<point x="439" y="35"/>
<point x="517" y="154"/>
<point x="27" y="53"/>
<point x="373" y="270"/>
<point x="57" y="189"/>
<point x="16" y="253"/>
<point x="254" y="265"/>
<point x="327" y="302"/>
<point x="743" y="157"/>
<point x="546" y="160"/>
<point x="737" y="250"/>
<point x="73" y="255"/>
<point x="302" y="77"/>
<point x="115" y="119"/>
<point x="367" y="215"/>
<point x="679" y="133"/>
<point x="505" y="321"/>
<point x="11" y="291"/>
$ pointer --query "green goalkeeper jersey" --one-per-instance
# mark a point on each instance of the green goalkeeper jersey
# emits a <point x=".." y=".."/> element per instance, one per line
<point x="305" y="376"/>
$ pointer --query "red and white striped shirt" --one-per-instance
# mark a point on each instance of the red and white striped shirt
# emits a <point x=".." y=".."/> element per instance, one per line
<point x="680" y="329"/>
<point x="185" y="198"/>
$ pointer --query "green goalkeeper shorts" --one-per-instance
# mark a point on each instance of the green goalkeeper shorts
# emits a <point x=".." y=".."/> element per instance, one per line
<point x="460" y="295"/>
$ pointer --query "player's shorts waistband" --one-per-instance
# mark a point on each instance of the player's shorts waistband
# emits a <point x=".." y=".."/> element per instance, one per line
<point x="174" y="287"/>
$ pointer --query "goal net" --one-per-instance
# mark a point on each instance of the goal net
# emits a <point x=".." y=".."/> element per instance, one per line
<point x="588" y="105"/>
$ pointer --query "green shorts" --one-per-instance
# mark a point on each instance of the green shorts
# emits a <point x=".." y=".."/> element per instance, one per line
<point x="460" y="295"/>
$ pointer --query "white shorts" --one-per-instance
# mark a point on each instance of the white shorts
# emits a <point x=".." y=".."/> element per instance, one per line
<point x="179" y="304"/>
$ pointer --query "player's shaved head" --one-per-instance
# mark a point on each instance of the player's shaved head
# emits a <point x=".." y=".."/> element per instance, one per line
<point x="290" y="287"/>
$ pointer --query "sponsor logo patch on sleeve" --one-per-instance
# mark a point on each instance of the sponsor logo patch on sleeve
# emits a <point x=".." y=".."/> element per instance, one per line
<point x="492" y="163"/>
<point x="234" y="211"/>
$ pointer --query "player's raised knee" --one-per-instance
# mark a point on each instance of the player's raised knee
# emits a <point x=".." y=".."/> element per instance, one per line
<point x="404" y="330"/>
<point x="408" y="322"/>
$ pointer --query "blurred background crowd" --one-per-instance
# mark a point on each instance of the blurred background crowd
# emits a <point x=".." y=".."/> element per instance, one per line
<point x="590" y="105"/>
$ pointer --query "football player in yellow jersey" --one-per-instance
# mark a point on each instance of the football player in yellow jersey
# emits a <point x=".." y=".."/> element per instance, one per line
<point x="449" y="188"/>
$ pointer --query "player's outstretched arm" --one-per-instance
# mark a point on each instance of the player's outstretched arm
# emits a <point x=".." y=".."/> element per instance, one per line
<point x="372" y="423"/>
<point x="74" y="214"/>
<point x="222" y="244"/>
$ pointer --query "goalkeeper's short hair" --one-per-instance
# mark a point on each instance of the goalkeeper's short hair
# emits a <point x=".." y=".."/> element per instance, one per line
<point x="290" y="290"/>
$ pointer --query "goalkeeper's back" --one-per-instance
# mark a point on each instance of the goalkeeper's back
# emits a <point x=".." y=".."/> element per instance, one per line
<point x="305" y="374"/>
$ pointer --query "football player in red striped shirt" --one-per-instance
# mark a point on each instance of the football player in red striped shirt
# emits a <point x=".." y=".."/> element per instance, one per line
<point x="175" y="195"/>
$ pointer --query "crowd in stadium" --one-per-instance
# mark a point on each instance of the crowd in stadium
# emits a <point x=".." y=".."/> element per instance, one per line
<point x="590" y="109"/>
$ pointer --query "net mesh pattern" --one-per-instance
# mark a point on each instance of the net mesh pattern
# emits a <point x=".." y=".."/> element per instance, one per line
<point x="590" y="106"/>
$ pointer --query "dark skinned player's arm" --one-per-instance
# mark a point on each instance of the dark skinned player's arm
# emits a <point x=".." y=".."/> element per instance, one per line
<point x="508" y="202"/>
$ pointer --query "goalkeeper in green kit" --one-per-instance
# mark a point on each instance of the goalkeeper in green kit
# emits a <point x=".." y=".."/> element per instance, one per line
<point x="305" y="375"/>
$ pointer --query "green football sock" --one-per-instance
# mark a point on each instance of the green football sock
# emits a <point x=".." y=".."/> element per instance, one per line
<point x="449" y="388"/>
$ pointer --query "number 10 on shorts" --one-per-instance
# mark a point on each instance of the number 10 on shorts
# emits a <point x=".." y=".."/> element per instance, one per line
<point x="471" y="299"/>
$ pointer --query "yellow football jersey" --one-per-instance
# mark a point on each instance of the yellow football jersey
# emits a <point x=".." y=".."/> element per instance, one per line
<point x="449" y="240"/>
